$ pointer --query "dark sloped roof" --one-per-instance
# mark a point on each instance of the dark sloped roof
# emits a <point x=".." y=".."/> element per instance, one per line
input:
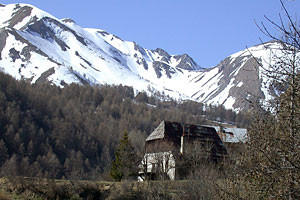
<point x="174" y="130"/>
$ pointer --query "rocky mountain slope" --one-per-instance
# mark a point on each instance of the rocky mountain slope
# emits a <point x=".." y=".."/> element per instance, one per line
<point x="36" y="46"/>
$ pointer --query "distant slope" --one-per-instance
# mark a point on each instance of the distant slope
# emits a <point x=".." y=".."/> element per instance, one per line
<point x="36" y="46"/>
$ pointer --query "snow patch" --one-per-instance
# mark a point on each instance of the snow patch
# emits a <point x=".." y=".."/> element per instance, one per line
<point x="239" y="84"/>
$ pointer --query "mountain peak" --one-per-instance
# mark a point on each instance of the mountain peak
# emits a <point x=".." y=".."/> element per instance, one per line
<point x="38" y="47"/>
<point x="186" y="62"/>
<point x="162" y="52"/>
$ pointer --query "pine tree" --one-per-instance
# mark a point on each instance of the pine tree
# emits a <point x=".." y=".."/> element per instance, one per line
<point x="125" y="164"/>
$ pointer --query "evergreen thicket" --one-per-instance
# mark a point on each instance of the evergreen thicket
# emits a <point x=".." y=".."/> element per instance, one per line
<point x="73" y="132"/>
<point x="126" y="162"/>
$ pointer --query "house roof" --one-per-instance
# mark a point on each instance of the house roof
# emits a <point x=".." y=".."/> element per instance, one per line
<point x="233" y="135"/>
<point x="158" y="133"/>
<point x="166" y="129"/>
<point x="174" y="130"/>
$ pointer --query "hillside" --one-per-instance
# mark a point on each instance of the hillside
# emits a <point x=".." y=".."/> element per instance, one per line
<point x="38" y="47"/>
<point x="72" y="132"/>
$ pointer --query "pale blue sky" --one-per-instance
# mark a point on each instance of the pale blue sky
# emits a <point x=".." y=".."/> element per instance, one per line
<point x="208" y="31"/>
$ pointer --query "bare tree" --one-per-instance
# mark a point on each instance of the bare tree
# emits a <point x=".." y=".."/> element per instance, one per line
<point x="271" y="163"/>
<point x="195" y="158"/>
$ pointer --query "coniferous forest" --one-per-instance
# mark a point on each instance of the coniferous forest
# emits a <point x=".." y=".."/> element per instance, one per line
<point x="72" y="132"/>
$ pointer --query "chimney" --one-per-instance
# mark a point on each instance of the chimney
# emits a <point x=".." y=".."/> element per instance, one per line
<point x="182" y="141"/>
<point x="222" y="133"/>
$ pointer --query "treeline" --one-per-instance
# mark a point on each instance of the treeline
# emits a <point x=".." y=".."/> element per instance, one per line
<point x="72" y="133"/>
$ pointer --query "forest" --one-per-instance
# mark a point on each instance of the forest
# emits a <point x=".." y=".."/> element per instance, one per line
<point x="72" y="132"/>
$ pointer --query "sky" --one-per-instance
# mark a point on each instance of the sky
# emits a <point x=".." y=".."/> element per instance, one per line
<point x="208" y="31"/>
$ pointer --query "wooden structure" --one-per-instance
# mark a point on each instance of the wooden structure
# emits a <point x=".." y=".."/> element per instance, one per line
<point x="173" y="138"/>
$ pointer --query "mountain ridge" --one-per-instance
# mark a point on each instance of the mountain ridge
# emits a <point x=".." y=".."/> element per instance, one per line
<point x="38" y="47"/>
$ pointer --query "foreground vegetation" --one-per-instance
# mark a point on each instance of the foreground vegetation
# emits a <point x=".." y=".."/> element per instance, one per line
<point x="37" y="188"/>
<point x="269" y="168"/>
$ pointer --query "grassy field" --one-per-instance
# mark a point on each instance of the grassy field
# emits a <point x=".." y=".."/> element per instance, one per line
<point x="38" y="189"/>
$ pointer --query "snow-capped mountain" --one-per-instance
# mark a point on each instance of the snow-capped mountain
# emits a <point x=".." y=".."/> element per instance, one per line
<point x="36" y="46"/>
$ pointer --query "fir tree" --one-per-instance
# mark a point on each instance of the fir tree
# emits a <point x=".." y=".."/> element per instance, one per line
<point x="125" y="163"/>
